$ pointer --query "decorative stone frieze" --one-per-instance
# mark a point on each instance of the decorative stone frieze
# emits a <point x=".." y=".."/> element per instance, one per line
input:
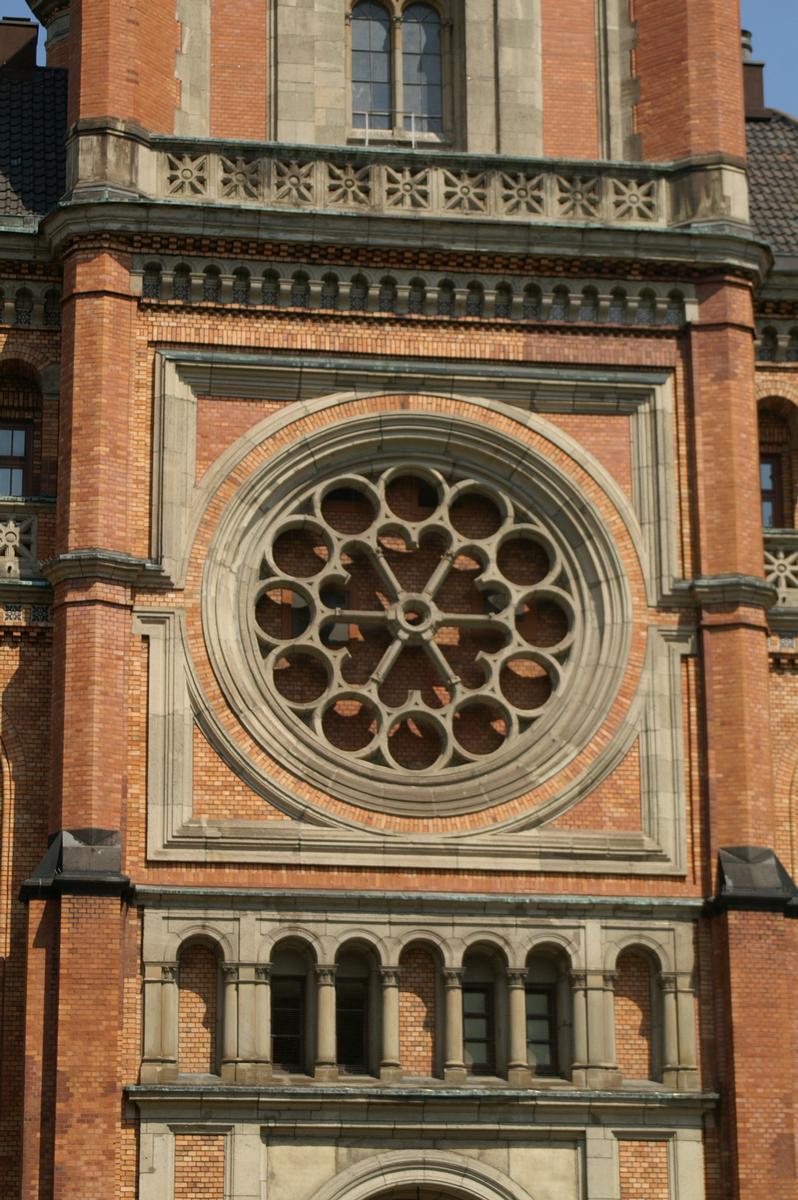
<point x="391" y="293"/>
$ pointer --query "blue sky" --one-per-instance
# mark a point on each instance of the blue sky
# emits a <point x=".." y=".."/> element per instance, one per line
<point x="774" y="24"/>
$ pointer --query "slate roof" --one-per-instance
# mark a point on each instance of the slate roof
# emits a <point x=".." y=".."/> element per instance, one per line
<point x="773" y="180"/>
<point x="33" y="115"/>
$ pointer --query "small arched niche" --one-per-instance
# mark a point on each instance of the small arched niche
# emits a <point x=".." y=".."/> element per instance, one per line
<point x="199" y="1007"/>
<point x="638" y="1019"/>
<point x="421" y="1010"/>
<point x="293" y="1007"/>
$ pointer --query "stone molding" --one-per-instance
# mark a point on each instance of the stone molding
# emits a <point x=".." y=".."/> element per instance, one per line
<point x="177" y="698"/>
<point x="592" y="589"/>
<point x="433" y="1168"/>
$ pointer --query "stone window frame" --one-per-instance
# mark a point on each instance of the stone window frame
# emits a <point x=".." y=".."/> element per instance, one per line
<point x="398" y="135"/>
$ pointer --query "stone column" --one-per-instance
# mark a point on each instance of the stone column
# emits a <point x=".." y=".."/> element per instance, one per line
<point x="230" y="1022"/>
<point x="454" y="1070"/>
<point x="326" y="1053"/>
<point x="518" y="1071"/>
<point x="390" y="1065"/>
<point x="670" y="1030"/>
<point x="170" y="1015"/>
<point x="610" y="1049"/>
<point x="263" y="1023"/>
<point x="580" y="1063"/>
<point x="679" y="1067"/>
<point x="254" y="1043"/>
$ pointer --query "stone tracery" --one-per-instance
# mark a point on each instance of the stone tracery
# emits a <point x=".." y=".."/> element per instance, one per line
<point x="412" y="621"/>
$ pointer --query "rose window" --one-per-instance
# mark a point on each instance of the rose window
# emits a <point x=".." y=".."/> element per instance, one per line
<point x="412" y="621"/>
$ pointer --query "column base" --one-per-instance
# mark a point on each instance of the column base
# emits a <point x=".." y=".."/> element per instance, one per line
<point x="681" y="1079"/>
<point x="326" y="1073"/>
<point x="391" y="1073"/>
<point x="158" y="1072"/>
<point x="454" y="1074"/>
<point x="253" y="1072"/>
<point x="519" y="1077"/>
<point x="597" y="1078"/>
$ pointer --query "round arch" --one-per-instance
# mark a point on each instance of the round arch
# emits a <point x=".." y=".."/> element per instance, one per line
<point x="422" y="1175"/>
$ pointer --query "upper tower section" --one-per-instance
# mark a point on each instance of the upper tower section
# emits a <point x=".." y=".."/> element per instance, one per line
<point x="518" y="111"/>
<point x="572" y="79"/>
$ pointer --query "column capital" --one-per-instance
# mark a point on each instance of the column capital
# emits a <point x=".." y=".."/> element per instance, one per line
<point x="230" y="972"/>
<point x="390" y="976"/>
<point x="263" y="972"/>
<point x="453" y="977"/>
<point x="610" y="978"/>
<point x="325" y="974"/>
<point x="669" y="981"/>
<point x="579" y="979"/>
<point x="516" y="977"/>
<point x="169" y="972"/>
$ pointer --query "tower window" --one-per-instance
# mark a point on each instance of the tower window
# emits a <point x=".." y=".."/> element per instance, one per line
<point x="372" y="84"/>
<point x="422" y="71"/>
<point x="770" y="487"/>
<point x="14" y="460"/>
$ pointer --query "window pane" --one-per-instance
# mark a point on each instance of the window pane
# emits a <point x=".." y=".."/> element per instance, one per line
<point x="361" y="65"/>
<point x="6" y="441"/>
<point x="537" y="1004"/>
<point x="475" y="1027"/>
<point x="474" y="1002"/>
<point x="537" y="1029"/>
<point x="5" y="482"/>
<point x="19" y="443"/>
<point x="768" y="514"/>
<point x="17" y="488"/>
<point x="542" y="1055"/>
<point x="477" y="1053"/>
<point x="765" y="475"/>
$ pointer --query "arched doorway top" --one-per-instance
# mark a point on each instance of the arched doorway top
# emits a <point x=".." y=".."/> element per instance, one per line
<point x="422" y="1175"/>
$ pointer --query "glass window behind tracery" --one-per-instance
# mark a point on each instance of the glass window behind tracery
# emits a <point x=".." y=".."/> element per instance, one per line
<point x="422" y="72"/>
<point x="372" y="105"/>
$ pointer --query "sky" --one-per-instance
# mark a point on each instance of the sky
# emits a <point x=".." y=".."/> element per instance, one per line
<point x="774" y="24"/>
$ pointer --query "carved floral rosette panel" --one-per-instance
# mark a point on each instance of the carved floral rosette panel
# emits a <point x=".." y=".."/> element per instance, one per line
<point x="411" y="616"/>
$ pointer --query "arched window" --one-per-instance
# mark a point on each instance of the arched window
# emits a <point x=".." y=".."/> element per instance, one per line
<point x="372" y="82"/>
<point x="422" y="69"/>
<point x="293" y="1010"/>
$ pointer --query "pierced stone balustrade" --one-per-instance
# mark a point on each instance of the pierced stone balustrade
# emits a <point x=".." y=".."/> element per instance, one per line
<point x="781" y="565"/>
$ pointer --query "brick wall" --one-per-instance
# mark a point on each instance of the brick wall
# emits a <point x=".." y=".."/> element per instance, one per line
<point x="633" y="1016"/>
<point x="570" y="101"/>
<point x="644" y="1170"/>
<point x="417" y="1013"/>
<point x="198" y="982"/>
<point x="239" y="54"/>
<point x="199" y="1167"/>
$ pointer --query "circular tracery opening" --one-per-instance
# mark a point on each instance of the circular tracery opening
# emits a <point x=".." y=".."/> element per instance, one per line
<point x="413" y="621"/>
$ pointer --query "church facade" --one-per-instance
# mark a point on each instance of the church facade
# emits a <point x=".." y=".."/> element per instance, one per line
<point x="399" y="604"/>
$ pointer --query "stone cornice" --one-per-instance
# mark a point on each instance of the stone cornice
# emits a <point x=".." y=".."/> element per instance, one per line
<point x="152" y="895"/>
<point x="709" y="590"/>
<point x="95" y="563"/>
<point x="729" y="246"/>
